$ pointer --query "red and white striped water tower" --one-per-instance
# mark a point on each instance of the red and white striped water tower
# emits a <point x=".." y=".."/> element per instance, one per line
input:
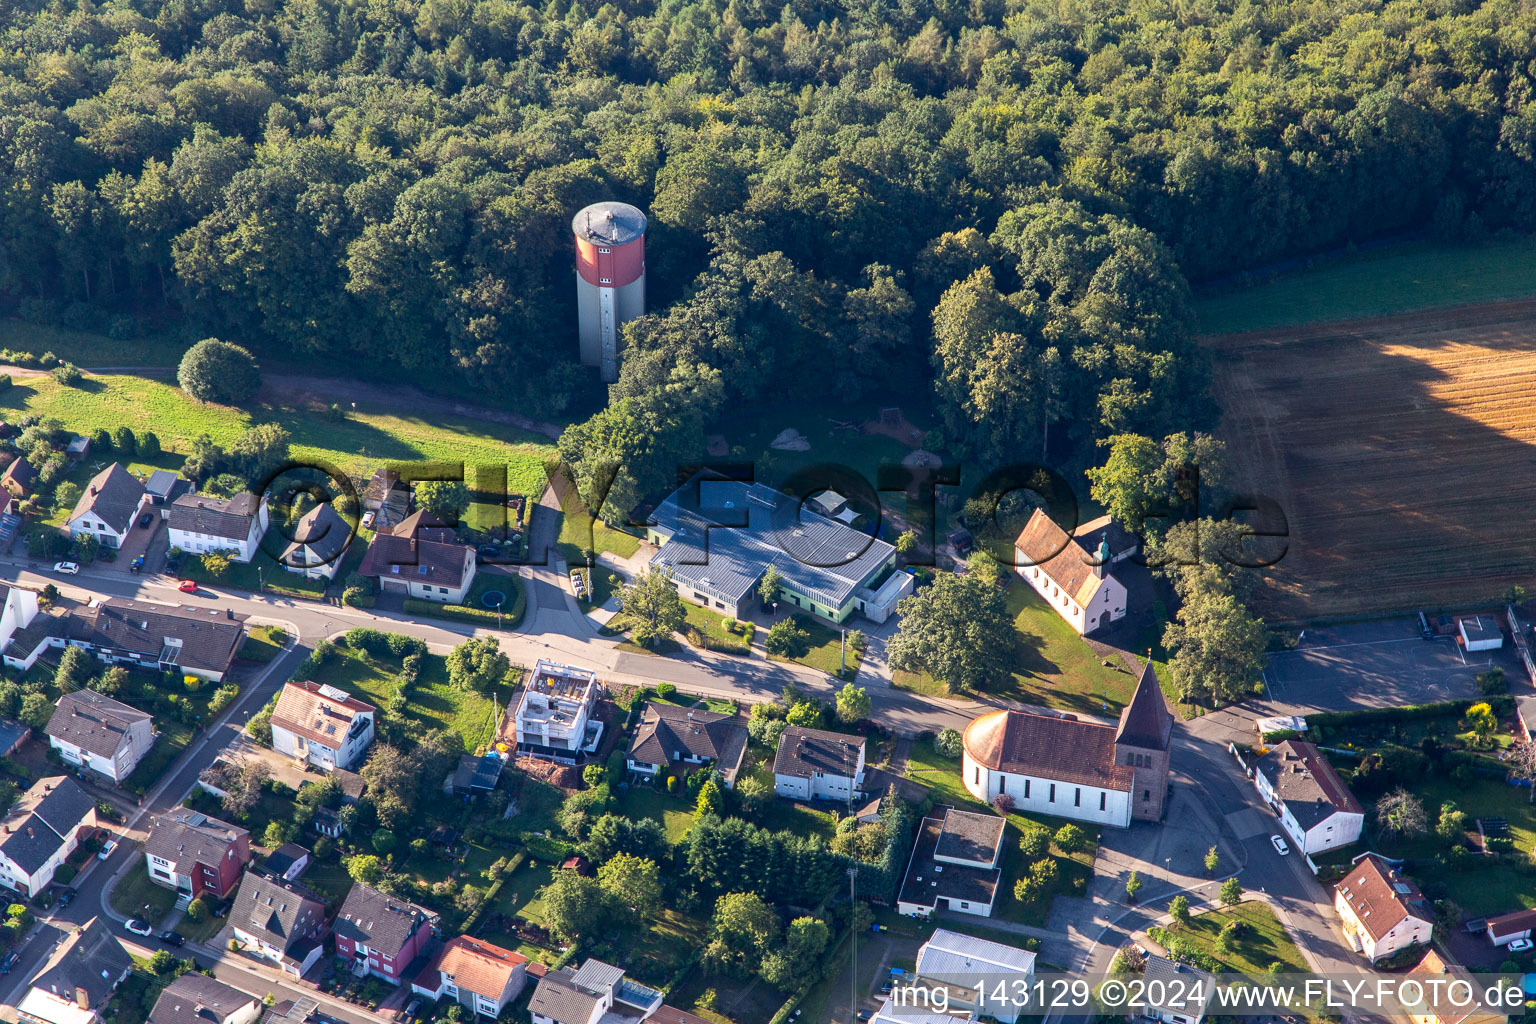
<point x="610" y="279"/>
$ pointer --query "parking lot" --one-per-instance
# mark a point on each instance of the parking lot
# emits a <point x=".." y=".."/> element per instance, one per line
<point x="1380" y="664"/>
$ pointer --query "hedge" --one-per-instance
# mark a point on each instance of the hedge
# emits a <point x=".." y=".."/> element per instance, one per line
<point x="1503" y="707"/>
<point x="468" y="613"/>
<point x="379" y="643"/>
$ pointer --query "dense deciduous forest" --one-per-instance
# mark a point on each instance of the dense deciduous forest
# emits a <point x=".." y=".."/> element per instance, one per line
<point x="1004" y="196"/>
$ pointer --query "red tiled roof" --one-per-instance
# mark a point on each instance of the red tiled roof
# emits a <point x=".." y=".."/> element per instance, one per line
<point x="1044" y="746"/>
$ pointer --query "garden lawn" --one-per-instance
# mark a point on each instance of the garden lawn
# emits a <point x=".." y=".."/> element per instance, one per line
<point x="712" y="632"/>
<point x="135" y="891"/>
<point x="355" y="444"/>
<point x="263" y="643"/>
<point x="825" y="650"/>
<point x="200" y="931"/>
<point x="1054" y="666"/>
<point x="1262" y="942"/>
<point x="261" y="573"/>
<point x="675" y="812"/>
<point x="434" y="702"/>
<point x="1477" y="884"/>
<point x="1391" y="279"/>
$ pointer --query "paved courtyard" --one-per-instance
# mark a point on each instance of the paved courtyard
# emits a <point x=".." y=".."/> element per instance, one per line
<point x="1379" y="664"/>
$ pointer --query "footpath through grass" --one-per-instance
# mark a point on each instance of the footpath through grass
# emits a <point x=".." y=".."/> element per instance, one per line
<point x="1392" y="279"/>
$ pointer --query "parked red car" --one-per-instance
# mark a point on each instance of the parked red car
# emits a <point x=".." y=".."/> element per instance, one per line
<point x="187" y="586"/>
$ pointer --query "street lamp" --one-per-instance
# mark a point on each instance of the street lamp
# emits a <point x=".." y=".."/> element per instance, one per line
<point x="853" y="952"/>
<point x="261" y="581"/>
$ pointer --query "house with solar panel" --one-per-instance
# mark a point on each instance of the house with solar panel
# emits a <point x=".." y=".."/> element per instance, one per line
<point x="322" y="725"/>
<point x="718" y="537"/>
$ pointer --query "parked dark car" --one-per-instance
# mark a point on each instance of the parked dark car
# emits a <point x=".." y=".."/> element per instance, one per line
<point x="171" y="938"/>
<point x="66" y="896"/>
<point x="146" y="519"/>
<point x="8" y="963"/>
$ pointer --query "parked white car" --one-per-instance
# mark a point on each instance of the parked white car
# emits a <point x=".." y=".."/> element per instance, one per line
<point x="1279" y="845"/>
<point x="139" y="927"/>
<point x="1519" y="945"/>
<point x="106" y="849"/>
<point x="67" y="568"/>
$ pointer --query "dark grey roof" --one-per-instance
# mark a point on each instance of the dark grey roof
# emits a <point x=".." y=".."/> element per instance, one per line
<point x="968" y="835"/>
<point x="559" y="998"/>
<point x="283" y="913"/>
<point x="804" y="752"/>
<point x="378" y="920"/>
<point x="12" y="732"/>
<point x="417" y="560"/>
<point x="667" y="730"/>
<point x="91" y="959"/>
<point x="608" y="223"/>
<point x="284" y="857"/>
<point x="1188" y="990"/>
<point x="479" y="773"/>
<point x="209" y="639"/>
<point x="322" y="531"/>
<point x="37" y="824"/>
<point x="725" y="534"/>
<point x="229" y="518"/>
<point x="924" y="882"/>
<point x="113" y="495"/>
<point x="42" y="627"/>
<point x="185" y="837"/>
<point x="198" y="999"/>
<point x="1310" y="788"/>
<point x="351" y="783"/>
<point x="93" y="721"/>
<point x="161" y="483"/>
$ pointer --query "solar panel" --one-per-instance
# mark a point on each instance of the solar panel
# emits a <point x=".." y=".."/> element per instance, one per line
<point x="330" y="691"/>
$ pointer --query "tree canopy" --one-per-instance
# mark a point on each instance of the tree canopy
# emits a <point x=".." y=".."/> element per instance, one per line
<point x="393" y="184"/>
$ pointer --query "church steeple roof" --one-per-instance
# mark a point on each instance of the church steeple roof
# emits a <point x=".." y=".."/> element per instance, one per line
<point x="1146" y="722"/>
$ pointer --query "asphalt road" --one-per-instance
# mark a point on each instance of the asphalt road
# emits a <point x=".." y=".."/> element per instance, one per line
<point x="554" y="628"/>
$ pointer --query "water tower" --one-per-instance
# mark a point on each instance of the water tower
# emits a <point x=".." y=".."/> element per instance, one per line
<point x="610" y="279"/>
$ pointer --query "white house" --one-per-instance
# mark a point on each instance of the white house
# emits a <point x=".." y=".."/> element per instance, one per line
<point x="320" y="540"/>
<point x="1080" y="586"/>
<point x="678" y="739"/>
<point x="41" y="830"/>
<point x="955" y="864"/>
<point x="278" y="921"/>
<point x="1380" y="910"/>
<point x="814" y="764"/>
<point x="555" y="717"/>
<point x="321" y="724"/>
<point x="77" y="980"/>
<point x="481" y="977"/>
<point x="1176" y="993"/>
<point x="418" y="567"/>
<point x="1072" y="767"/>
<point x="199" y="523"/>
<point x="1506" y="928"/>
<point x="94" y="731"/>
<point x="976" y="974"/>
<point x="1315" y="808"/>
<point x="594" y="992"/>
<point x="108" y="506"/>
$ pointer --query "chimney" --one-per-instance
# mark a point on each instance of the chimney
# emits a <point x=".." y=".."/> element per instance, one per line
<point x="82" y="998"/>
<point x="31" y="834"/>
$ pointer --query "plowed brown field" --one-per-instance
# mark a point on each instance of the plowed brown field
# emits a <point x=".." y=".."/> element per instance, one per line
<point x="1402" y="450"/>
